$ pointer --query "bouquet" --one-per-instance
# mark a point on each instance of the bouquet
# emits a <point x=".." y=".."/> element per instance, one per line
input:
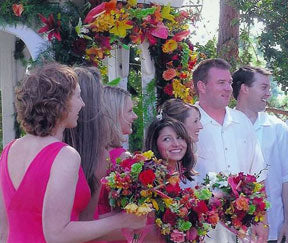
<point x="189" y="215"/>
<point x="142" y="183"/>
<point x="135" y="183"/>
<point x="243" y="200"/>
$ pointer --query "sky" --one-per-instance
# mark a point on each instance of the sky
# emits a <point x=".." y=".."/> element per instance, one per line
<point x="207" y="26"/>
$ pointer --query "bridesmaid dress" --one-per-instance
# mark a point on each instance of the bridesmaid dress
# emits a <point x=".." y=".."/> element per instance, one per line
<point x="24" y="204"/>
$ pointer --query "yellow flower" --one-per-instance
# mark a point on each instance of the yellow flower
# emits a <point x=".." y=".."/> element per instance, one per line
<point x="169" y="46"/>
<point x="165" y="230"/>
<point x="143" y="209"/>
<point x="148" y="154"/>
<point x="165" y="13"/>
<point x="158" y="222"/>
<point x="132" y="2"/>
<point x="103" y="23"/>
<point x="173" y="180"/>
<point x="131" y="208"/>
<point x="155" y="204"/>
<point x="145" y="193"/>
<point x="120" y="28"/>
<point x="168" y="201"/>
<point x="180" y="90"/>
<point x="258" y="187"/>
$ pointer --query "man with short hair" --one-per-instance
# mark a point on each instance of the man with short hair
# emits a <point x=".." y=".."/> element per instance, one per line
<point x="251" y="88"/>
<point x="227" y="141"/>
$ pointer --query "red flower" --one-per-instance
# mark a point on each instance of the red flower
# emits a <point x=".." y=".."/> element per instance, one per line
<point x="17" y="9"/>
<point x="51" y="27"/>
<point x="181" y="35"/>
<point x="169" y="217"/>
<point x="127" y="163"/>
<point x="147" y="177"/>
<point x="168" y="89"/>
<point x="201" y="207"/>
<point x="259" y="203"/>
<point x="94" y="12"/>
<point x="173" y="189"/>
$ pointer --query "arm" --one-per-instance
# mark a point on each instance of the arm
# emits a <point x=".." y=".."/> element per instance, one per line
<point x="3" y="220"/>
<point x="58" y="203"/>
<point x="284" y="229"/>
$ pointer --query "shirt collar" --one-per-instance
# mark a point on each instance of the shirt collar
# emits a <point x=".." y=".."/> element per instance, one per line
<point x="262" y="120"/>
<point x="205" y="118"/>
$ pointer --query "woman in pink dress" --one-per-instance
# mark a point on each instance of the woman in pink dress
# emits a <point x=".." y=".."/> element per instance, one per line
<point x="42" y="186"/>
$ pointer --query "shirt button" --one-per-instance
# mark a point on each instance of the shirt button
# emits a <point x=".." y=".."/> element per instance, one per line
<point x="226" y="149"/>
<point x="229" y="166"/>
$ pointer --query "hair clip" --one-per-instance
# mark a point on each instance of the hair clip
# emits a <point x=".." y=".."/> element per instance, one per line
<point x="159" y="116"/>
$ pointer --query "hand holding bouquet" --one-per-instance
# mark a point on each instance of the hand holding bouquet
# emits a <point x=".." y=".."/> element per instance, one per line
<point x="243" y="200"/>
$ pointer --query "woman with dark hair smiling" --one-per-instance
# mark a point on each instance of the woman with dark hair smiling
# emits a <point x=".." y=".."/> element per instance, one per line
<point x="169" y="140"/>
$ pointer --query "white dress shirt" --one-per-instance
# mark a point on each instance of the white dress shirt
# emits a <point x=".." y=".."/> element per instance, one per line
<point x="232" y="148"/>
<point x="273" y="136"/>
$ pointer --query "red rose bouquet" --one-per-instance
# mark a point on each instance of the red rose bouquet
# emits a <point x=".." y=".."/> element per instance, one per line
<point x="243" y="200"/>
<point x="189" y="216"/>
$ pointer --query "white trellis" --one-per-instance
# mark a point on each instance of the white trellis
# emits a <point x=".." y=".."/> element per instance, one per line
<point x="11" y="70"/>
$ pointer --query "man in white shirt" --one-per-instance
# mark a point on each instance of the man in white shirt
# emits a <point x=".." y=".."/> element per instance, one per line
<point x="227" y="141"/>
<point x="251" y="88"/>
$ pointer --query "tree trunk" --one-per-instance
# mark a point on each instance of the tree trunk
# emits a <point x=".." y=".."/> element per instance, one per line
<point x="228" y="36"/>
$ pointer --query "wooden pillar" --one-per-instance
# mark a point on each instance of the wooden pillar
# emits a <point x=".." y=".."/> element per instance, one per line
<point x="8" y="75"/>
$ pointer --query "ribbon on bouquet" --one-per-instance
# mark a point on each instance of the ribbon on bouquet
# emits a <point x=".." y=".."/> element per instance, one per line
<point x="138" y="237"/>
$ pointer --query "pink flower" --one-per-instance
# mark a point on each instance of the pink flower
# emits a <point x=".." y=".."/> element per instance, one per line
<point x="233" y="185"/>
<point x="177" y="236"/>
<point x="17" y="9"/>
<point x="191" y="234"/>
<point x="181" y="35"/>
<point x="52" y="27"/>
<point x="169" y="74"/>
<point x="93" y="13"/>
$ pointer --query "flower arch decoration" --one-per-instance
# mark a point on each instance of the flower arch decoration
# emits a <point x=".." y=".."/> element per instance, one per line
<point x="88" y="34"/>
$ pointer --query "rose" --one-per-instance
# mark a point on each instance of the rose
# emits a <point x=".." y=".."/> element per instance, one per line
<point x="127" y="163"/>
<point x="177" y="236"/>
<point x="242" y="203"/>
<point x="173" y="189"/>
<point x="169" y="217"/>
<point x="191" y="234"/>
<point x="169" y="74"/>
<point x="201" y="207"/>
<point x="259" y="203"/>
<point x="147" y="177"/>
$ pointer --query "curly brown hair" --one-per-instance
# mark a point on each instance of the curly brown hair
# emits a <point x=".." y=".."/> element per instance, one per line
<point x="42" y="98"/>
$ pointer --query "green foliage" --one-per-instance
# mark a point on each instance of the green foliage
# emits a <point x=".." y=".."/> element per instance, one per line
<point x="209" y="50"/>
<point x="273" y="39"/>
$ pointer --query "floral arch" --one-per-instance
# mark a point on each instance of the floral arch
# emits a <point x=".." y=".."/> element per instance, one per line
<point x="102" y="34"/>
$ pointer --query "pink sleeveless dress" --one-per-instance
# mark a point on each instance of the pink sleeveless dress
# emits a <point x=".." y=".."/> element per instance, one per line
<point x="24" y="205"/>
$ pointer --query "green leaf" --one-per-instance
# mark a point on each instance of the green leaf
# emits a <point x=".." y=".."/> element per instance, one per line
<point x="114" y="82"/>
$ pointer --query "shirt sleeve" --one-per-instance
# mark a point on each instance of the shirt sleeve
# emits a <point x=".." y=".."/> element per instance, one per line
<point x="283" y="151"/>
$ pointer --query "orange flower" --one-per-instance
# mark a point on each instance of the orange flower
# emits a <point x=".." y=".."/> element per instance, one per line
<point x="169" y="46"/>
<point x="242" y="203"/>
<point x="17" y="9"/>
<point x="169" y="74"/>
